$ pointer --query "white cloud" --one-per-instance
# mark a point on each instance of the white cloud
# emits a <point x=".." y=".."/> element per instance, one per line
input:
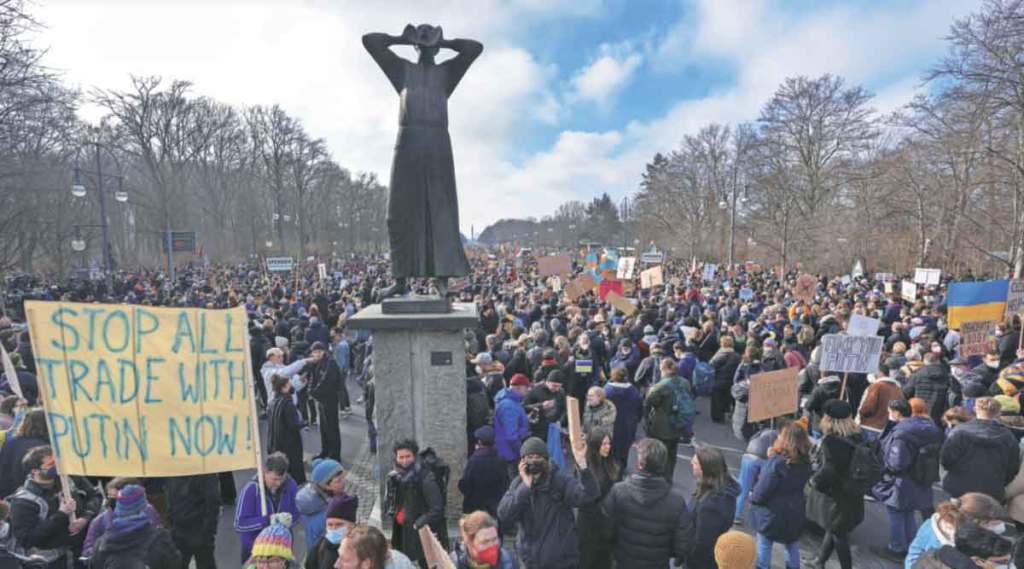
<point x="604" y="77"/>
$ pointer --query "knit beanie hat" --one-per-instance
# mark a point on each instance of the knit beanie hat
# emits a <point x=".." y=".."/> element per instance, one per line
<point x="735" y="550"/>
<point x="131" y="501"/>
<point x="343" y="507"/>
<point x="326" y="468"/>
<point x="838" y="409"/>
<point x="276" y="539"/>
<point x="533" y="445"/>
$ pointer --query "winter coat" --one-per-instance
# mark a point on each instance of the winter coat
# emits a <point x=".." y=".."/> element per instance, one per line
<point x="900" y="447"/>
<point x="725" y="363"/>
<point x="761" y="442"/>
<point x="317" y="332"/>
<point x="543" y="515"/>
<point x="932" y="535"/>
<point x="658" y="407"/>
<point x="830" y="503"/>
<point x="874" y="407"/>
<point x="593" y="526"/>
<point x="1015" y="496"/>
<point x="827" y="389"/>
<point x="418" y="494"/>
<point x="98" y="526"/>
<point x="284" y="434"/>
<point x="629" y="407"/>
<point x="649" y="371"/>
<point x="193" y="504"/>
<point x="713" y="515"/>
<point x="600" y="417"/>
<point x="650" y="522"/>
<point x="312" y="506"/>
<point x="984" y="374"/>
<point x="537" y="396"/>
<point x="1008" y="344"/>
<point x="931" y="383"/>
<point x="460" y="557"/>
<point x="630" y="361"/>
<point x="511" y="425"/>
<point x="132" y="542"/>
<point x="249" y="521"/>
<point x="519" y="363"/>
<point x="980" y="456"/>
<point x="14" y="449"/>
<point x="946" y="557"/>
<point x="31" y="532"/>
<point x="323" y="555"/>
<point x="777" y="500"/>
<point x="483" y="482"/>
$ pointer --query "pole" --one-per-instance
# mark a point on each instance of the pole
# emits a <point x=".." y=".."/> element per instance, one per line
<point x="255" y="418"/>
<point x="170" y="252"/>
<point x="108" y="269"/>
<point x="732" y="229"/>
<point x="842" y="392"/>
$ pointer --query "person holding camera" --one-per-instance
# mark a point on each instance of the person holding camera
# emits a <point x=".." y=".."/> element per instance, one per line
<point x="540" y="504"/>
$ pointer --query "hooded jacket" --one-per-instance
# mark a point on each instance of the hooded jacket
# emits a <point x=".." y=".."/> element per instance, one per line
<point x="980" y="456"/>
<point x="543" y="515"/>
<point x="900" y="449"/>
<point x="933" y="384"/>
<point x="600" y="417"/>
<point x="629" y="405"/>
<point x="483" y="481"/>
<point x="777" y="501"/>
<point x="511" y="425"/>
<point x="650" y="521"/>
<point x="828" y="388"/>
<point x="249" y="521"/>
<point x="134" y="542"/>
<point x="713" y="514"/>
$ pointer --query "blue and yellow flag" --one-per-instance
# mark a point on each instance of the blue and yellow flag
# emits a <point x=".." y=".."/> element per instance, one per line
<point x="972" y="301"/>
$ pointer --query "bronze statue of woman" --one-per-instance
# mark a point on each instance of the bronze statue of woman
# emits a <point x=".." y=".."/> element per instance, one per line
<point x="423" y="208"/>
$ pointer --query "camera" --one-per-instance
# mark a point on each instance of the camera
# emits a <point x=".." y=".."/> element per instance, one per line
<point x="535" y="466"/>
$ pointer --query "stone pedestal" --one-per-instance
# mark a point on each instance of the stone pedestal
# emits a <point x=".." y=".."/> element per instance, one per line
<point x="420" y="384"/>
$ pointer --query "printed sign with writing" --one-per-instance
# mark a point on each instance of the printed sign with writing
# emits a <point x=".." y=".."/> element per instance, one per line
<point x="625" y="270"/>
<point x="141" y="391"/>
<point x="806" y="287"/>
<point x="773" y="394"/>
<point x="888" y="287"/>
<point x="620" y="303"/>
<point x="885" y="277"/>
<point x="927" y="277"/>
<point x="709" y="271"/>
<point x="279" y="264"/>
<point x="861" y="325"/>
<point x="652" y="277"/>
<point x="1015" y="297"/>
<point x="977" y="337"/>
<point x="908" y="291"/>
<point x="746" y="293"/>
<point x="321" y="270"/>
<point x="853" y="354"/>
<point x="554" y="265"/>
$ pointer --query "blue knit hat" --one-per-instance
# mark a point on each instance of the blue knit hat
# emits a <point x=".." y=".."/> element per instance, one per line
<point x="326" y="468"/>
<point x="131" y="501"/>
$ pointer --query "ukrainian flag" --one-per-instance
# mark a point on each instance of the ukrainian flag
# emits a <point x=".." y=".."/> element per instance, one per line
<point x="984" y="300"/>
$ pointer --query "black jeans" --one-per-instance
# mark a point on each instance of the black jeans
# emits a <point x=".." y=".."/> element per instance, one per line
<point x="203" y="554"/>
<point x="670" y="466"/>
<point x="721" y="402"/>
<point x="840" y="542"/>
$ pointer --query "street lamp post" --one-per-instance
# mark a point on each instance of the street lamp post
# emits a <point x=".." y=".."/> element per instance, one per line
<point x="625" y="221"/>
<point x="732" y="221"/>
<point x="78" y="190"/>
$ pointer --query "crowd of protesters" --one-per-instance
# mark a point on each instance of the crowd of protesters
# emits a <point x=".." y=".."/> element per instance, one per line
<point x="928" y="417"/>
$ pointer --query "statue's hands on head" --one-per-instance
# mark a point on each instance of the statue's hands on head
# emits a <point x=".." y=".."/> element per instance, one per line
<point x="423" y="35"/>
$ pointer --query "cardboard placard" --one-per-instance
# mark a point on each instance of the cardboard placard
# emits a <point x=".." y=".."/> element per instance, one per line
<point x="860" y="325"/>
<point x="977" y="337"/>
<point x="652" y="277"/>
<point x="554" y="265"/>
<point x="842" y="353"/>
<point x="806" y="287"/>
<point x="621" y="303"/>
<point x="433" y="553"/>
<point x="11" y="372"/>
<point x="773" y="394"/>
<point x="580" y="286"/>
<point x="572" y="413"/>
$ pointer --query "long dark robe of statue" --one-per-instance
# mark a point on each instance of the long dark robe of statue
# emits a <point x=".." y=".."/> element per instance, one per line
<point x="423" y="208"/>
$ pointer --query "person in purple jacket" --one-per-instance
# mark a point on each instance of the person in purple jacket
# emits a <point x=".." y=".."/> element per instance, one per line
<point x="98" y="526"/>
<point x="280" y="490"/>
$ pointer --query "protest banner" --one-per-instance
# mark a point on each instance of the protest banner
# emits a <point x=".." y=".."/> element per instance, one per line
<point x="625" y="269"/>
<point x="885" y="277"/>
<point x="11" y="372"/>
<point x="746" y="293"/>
<point x="927" y="277"/>
<point x="652" y="256"/>
<point x="433" y="552"/>
<point x="607" y="286"/>
<point x="621" y="303"/>
<point x="1014" y="298"/>
<point x="709" y="271"/>
<point x="850" y="354"/>
<point x="908" y="291"/>
<point x="142" y="391"/>
<point x="773" y="394"/>
<point x="806" y="287"/>
<point x="652" y="277"/>
<point x="321" y="270"/>
<point x="977" y="337"/>
<point x="860" y="325"/>
<point x="554" y="265"/>
<point x="279" y="264"/>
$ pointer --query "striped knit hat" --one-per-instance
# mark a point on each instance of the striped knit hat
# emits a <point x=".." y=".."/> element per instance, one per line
<point x="276" y="539"/>
<point x="131" y="501"/>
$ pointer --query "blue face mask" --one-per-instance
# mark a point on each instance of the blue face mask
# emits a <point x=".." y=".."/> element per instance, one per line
<point x="336" y="535"/>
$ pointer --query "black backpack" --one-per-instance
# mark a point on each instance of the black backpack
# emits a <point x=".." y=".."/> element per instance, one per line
<point x="925" y="469"/>
<point x="865" y="468"/>
<point x="439" y="468"/>
<point x="478" y="410"/>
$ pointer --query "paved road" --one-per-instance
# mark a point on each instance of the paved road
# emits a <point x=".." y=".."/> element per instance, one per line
<point x="867" y="539"/>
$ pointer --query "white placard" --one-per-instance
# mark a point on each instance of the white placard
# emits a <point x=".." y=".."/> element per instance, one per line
<point x="322" y="270"/>
<point x="625" y="268"/>
<point x="280" y="264"/>
<point x="927" y="277"/>
<point x="1014" y="297"/>
<point x="861" y="325"/>
<point x="850" y="354"/>
<point x="709" y="271"/>
<point x="908" y="291"/>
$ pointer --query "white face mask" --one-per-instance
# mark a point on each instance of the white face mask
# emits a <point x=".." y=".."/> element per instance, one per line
<point x="997" y="527"/>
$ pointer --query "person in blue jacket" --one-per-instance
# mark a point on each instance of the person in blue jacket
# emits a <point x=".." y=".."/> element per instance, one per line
<point x="314" y="496"/>
<point x="629" y="408"/>
<point x="281" y="491"/>
<point x="777" y="501"/>
<point x="511" y="425"/>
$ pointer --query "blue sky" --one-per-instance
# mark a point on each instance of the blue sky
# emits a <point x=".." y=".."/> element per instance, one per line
<point x="570" y="98"/>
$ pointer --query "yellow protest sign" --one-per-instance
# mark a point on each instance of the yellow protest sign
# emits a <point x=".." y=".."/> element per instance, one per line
<point x="143" y="391"/>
